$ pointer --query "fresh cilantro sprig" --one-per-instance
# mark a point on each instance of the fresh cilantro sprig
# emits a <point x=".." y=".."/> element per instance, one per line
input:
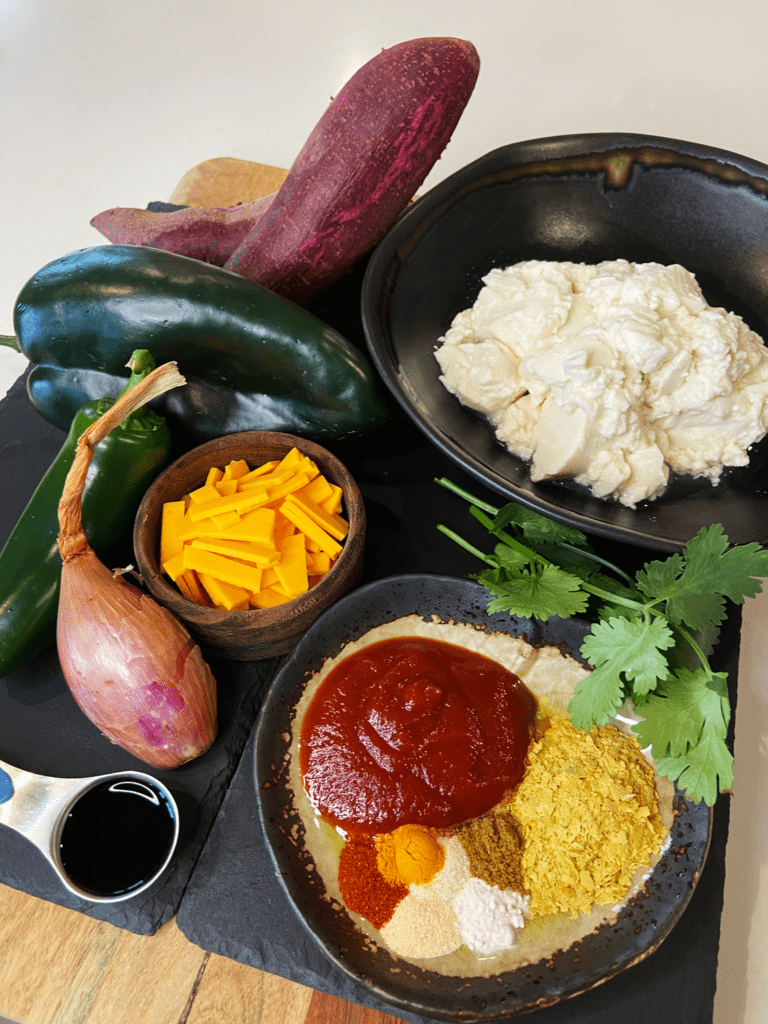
<point x="651" y="635"/>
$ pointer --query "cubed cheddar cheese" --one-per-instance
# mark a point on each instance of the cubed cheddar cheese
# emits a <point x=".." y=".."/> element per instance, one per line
<point x="189" y="584"/>
<point x="240" y="502"/>
<point x="253" y="538"/>
<point x="291" y="567"/>
<point x="171" y="542"/>
<point x="331" y="522"/>
<point x="262" y="555"/>
<point x="203" y="494"/>
<point x="267" y="597"/>
<point x="236" y="469"/>
<point x="226" y="486"/>
<point x="228" y="570"/>
<point x="310" y="528"/>
<point x="223" y="594"/>
<point x="332" y="503"/>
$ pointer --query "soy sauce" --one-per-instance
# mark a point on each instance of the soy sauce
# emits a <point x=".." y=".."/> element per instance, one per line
<point x="117" y="836"/>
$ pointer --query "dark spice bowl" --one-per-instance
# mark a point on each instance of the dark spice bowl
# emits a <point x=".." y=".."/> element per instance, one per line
<point x="250" y="634"/>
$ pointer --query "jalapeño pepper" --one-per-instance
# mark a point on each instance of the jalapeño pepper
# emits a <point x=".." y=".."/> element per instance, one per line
<point x="124" y="465"/>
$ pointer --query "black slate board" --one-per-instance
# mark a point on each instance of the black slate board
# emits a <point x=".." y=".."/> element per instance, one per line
<point x="235" y="906"/>
<point x="42" y="730"/>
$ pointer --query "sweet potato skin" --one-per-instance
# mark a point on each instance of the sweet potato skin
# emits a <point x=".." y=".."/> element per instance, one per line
<point x="360" y="167"/>
<point x="210" y="234"/>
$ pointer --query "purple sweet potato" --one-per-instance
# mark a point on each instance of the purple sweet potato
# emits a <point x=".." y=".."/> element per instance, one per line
<point x="360" y="167"/>
<point x="210" y="234"/>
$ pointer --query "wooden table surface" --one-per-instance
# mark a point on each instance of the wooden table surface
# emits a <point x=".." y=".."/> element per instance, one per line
<point x="61" y="967"/>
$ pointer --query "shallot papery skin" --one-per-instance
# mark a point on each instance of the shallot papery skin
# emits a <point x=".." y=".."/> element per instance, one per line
<point x="132" y="667"/>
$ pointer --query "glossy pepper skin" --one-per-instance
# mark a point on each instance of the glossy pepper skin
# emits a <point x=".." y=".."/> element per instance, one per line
<point x="252" y="359"/>
<point x="124" y="465"/>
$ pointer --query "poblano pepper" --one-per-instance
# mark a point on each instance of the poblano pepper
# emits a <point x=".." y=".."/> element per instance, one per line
<point x="124" y="465"/>
<point x="252" y="359"/>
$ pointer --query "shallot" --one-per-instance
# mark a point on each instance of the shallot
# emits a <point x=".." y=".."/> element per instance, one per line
<point x="132" y="667"/>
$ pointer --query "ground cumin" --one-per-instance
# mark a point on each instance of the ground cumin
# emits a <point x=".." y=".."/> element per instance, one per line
<point x="494" y="847"/>
<point x="588" y="813"/>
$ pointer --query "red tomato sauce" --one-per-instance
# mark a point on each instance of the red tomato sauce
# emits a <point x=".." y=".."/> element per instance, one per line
<point x="414" y="731"/>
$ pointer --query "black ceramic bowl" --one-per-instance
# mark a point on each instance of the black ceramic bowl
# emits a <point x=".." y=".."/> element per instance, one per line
<point x="603" y="954"/>
<point x="581" y="198"/>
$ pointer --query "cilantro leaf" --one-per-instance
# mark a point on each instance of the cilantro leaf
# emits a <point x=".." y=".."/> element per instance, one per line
<point x="704" y="770"/>
<point x="597" y="697"/>
<point x="634" y="645"/>
<point x="542" y="568"/>
<point x="538" y="529"/>
<point x="509" y="558"/>
<point x="655" y="579"/>
<point x="675" y="716"/>
<point x="686" y="725"/>
<point x="693" y="585"/>
<point x="537" y="592"/>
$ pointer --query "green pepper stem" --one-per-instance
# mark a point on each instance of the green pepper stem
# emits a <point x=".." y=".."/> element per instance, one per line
<point x="141" y="364"/>
<point x="10" y="341"/>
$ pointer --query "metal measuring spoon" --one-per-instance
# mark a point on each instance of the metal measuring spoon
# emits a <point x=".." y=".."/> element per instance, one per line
<point x="66" y="820"/>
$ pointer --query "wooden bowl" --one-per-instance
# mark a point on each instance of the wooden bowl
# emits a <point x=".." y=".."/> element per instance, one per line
<point x="248" y="635"/>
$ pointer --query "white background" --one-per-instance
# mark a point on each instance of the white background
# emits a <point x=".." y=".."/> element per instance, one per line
<point x="108" y="104"/>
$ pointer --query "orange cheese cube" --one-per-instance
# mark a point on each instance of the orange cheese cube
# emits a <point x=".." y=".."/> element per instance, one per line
<point x="226" y="486"/>
<point x="170" y="528"/>
<point x="291" y="568"/>
<point x="333" y="503"/>
<point x="236" y="469"/>
<point x="268" y="597"/>
<point x="224" y="520"/>
<point x="310" y="528"/>
<point x="203" y="494"/>
<point x="318" y="563"/>
<point x="240" y="502"/>
<point x="291" y="458"/>
<point x="214" y="475"/>
<point x="254" y="474"/>
<point x="189" y="584"/>
<point x="318" y="489"/>
<point x="229" y="570"/>
<point x="293" y="483"/>
<point x="175" y="566"/>
<point x="277" y="476"/>
<point x="262" y="555"/>
<point x="223" y="594"/>
<point x="331" y="522"/>
<point x="256" y="527"/>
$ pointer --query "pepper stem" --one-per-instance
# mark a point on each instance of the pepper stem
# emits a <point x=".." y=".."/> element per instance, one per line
<point x="72" y="540"/>
<point x="141" y="364"/>
<point x="10" y="341"/>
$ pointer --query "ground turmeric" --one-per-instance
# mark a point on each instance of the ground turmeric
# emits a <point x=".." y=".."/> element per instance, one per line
<point x="409" y="855"/>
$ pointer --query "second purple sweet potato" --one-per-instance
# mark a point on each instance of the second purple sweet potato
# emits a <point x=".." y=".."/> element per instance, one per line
<point x="210" y="234"/>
